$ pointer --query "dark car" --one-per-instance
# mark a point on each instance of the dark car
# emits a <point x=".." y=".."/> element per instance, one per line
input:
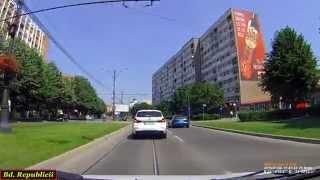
<point x="179" y="121"/>
<point x="62" y="117"/>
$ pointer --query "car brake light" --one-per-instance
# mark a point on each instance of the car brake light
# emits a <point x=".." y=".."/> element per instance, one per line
<point x="137" y="121"/>
<point x="162" y="120"/>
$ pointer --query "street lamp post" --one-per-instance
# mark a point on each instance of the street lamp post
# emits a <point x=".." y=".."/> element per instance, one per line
<point x="9" y="72"/>
<point x="189" y="108"/>
<point x="203" y="106"/>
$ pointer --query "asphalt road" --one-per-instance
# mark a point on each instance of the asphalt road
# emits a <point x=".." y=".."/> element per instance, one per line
<point x="198" y="151"/>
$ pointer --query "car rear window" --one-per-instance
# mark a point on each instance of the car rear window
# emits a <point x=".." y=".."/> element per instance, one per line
<point x="149" y="114"/>
<point x="180" y="118"/>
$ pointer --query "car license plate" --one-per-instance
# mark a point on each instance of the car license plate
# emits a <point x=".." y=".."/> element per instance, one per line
<point x="148" y="123"/>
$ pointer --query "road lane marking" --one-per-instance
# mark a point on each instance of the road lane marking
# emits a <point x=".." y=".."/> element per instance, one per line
<point x="175" y="136"/>
<point x="180" y="139"/>
<point x="155" y="159"/>
<point x="104" y="155"/>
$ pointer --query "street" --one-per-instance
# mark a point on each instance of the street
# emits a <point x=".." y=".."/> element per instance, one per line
<point x="199" y="151"/>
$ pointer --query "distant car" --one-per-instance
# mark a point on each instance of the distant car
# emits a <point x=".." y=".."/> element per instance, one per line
<point x="149" y="121"/>
<point x="179" y="121"/>
<point x="88" y="117"/>
<point x="61" y="117"/>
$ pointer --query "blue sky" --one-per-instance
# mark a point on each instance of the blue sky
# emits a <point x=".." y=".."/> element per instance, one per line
<point x="138" y="40"/>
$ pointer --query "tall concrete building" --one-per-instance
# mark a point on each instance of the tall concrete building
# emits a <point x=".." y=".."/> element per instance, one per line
<point x="28" y="30"/>
<point x="230" y="54"/>
<point x="178" y="71"/>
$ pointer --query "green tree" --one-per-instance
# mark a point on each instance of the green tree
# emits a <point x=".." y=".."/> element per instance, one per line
<point x="205" y="93"/>
<point x="164" y="107"/>
<point x="52" y="89"/>
<point x="290" y="68"/>
<point x="87" y="100"/>
<point x="100" y="106"/>
<point x="40" y="87"/>
<point x="26" y="94"/>
<point x="198" y="94"/>
<point x="140" y="106"/>
<point x="69" y="97"/>
<point x="179" y="101"/>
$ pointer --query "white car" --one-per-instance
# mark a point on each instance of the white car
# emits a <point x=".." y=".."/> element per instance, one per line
<point x="149" y="121"/>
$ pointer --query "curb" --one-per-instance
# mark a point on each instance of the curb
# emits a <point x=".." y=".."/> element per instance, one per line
<point x="80" y="159"/>
<point x="288" y="138"/>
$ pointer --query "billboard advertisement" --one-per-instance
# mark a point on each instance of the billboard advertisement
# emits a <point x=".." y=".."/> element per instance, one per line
<point x="250" y="44"/>
<point x="122" y="108"/>
<point x="251" y="54"/>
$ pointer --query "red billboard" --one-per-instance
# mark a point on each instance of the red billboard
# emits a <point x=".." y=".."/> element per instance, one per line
<point x="251" y="54"/>
<point x="250" y="44"/>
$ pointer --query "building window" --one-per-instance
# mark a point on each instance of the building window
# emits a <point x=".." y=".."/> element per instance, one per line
<point x="192" y="46"/>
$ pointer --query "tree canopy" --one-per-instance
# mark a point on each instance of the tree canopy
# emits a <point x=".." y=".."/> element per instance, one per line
<point x="40" y="86"/>
<point x="290" y="68"/>
<point x="140" y="106"/>
<point x="196" y="94"/>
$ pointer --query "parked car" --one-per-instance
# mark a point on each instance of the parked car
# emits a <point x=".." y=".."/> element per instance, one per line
<point x="179" y="121"/>
<point x="61" y="117"/>
<point x="89" y="117"/>
<point x="149" y="121"/>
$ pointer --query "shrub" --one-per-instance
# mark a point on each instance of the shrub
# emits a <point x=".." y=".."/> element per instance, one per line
<point x="200" y="117"/>
<point x="279" y="114"/>
<point x="314" y="110"/>
<point x="254" y="116"/>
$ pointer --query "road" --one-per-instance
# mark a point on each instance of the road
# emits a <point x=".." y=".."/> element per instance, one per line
<point x="199" y="151"/>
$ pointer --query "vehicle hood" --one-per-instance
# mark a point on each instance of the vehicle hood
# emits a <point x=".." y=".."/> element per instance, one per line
<point x="170" y="177"/>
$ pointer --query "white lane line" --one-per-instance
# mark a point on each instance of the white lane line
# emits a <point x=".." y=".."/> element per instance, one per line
<point x="180" y="139"/>
<point x="155" y="161"/>
<point x="175" y="136"/>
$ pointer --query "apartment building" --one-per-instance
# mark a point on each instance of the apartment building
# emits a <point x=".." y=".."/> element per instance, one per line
<point x="219" y="62"/>
<point x="28" y="30"/>
<point x="230" y="54"/>
<point x="178" y="71"/>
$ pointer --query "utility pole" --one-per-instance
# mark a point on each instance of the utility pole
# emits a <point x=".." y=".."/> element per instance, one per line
<point x="115" y="74"/>
<point x="114" y="95"/>
<point x="189" y="108"/>
<point x="121" y="99"/>
<point x="8" y="76"/>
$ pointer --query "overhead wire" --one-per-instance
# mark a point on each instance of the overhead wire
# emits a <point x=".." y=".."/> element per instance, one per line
<point x="63" y="50"/>
<point x="55" y="41"/>
<point x="74" y="5"/>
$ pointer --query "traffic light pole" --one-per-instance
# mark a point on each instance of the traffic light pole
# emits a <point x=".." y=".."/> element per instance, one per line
<point x="189" y="108"/>
<point x="4" y="124"/>
<point x="5" y="109"/>
<point x="114" y="96"/>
